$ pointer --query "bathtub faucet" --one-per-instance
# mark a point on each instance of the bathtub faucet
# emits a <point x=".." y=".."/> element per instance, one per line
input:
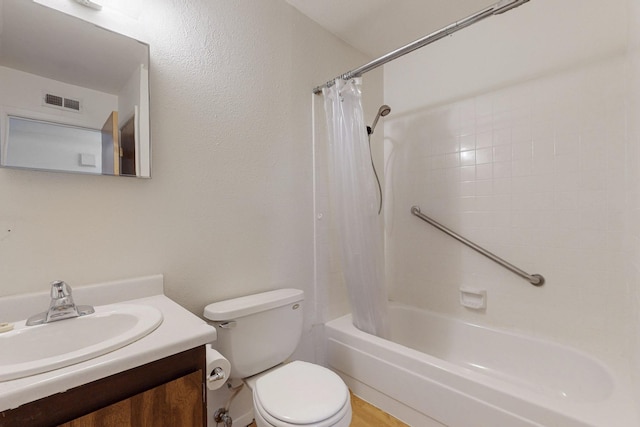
<point x="61" y="306"/>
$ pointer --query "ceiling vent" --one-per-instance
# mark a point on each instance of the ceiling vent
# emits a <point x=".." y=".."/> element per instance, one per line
<point x="62" y="103"/>
<point x="56" y="101"/>
<point x="73" y="104"/>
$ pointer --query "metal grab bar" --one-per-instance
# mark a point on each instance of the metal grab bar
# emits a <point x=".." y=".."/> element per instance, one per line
<point x="534" y="279"/>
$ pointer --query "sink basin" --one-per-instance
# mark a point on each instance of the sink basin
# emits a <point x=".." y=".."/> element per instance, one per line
<point x="30" y="350"/>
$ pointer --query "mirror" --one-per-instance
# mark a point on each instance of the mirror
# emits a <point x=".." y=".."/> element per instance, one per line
<point x="74" y="97"/>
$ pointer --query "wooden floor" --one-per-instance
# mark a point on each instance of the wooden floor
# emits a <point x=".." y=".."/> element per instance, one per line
<point x="367" y="415"/>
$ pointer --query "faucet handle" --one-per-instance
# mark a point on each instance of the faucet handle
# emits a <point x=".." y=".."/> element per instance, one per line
<point x="60" y="289"/>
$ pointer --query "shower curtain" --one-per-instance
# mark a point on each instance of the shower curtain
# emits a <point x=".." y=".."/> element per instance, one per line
<point x="354" y="206"/>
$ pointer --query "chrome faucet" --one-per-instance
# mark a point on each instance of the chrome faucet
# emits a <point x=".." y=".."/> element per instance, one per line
<point x="61" y="306"/>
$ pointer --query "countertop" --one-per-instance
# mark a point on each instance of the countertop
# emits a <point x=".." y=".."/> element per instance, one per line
<point x="180" y="330"/>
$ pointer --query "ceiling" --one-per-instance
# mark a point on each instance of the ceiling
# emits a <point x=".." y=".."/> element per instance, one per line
<point x="81" y="53"/>
<point x="376" y="27"/>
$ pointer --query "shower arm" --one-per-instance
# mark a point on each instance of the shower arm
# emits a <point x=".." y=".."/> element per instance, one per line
<point x="496" y="9"/>
<point x="534" y="279"/>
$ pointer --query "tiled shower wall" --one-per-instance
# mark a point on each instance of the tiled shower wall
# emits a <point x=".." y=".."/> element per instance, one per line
<point x="537" y="173"/>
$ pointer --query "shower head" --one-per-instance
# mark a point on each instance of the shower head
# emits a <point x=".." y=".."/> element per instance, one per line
<point x="383" y="111"/>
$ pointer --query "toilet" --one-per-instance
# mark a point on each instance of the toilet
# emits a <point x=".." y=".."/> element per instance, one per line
<point x="257" y="334"/>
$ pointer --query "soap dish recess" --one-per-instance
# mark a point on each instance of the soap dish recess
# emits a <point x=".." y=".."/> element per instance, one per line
<point x="475" y="299"/>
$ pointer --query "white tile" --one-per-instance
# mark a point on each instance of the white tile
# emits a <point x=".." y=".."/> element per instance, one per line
<point x="452" y="160"/>
<point x="484" y="105"/>
<point x="502" y="186"/>
<point x="502" y="153"/>
<point x="468" y="158"/>
<point x="439" y="161"/>
<point x="566" y="164"/>
<point x="543" y="165"/>
<point x="521" y="167"/>
<point x="484" y="123"/>
<point x="484" y="139"/>
<point x="468" y="188"/>
<point x="543" y="130"/>
<point x="521" y="133"/>
<point x="566" y="200"/>
<point x="467" y="173"/>
<point x="593" y="159"/>
<point x="502" y="170"/>
<point x="501" y="219"/>
<point x="595" y="219"/>
<point x="450" y="145"/>
<point x="591" y="200"/>
<point x="556" y="192"/>
<point x="501" y="202"/>
<point x="484" y="187"/>
<point x="501" y="136"/>
<point x="484" y="172"/>
<point x="467" y="142"/>
<point x="543" y="147"/>
<point x="567" y="144"/>
<point x="484" y="203"/>
<point x="594" y="180"/>
<point x="522" y="150"/>
<point x="484" y="155"/>
<point x="467" y="204"/>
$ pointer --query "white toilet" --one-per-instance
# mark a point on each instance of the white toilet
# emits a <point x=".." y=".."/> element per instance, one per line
<point x="257" y="333"/>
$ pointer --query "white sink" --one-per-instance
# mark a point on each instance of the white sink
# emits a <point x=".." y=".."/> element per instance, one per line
<point x="30" y="350"/>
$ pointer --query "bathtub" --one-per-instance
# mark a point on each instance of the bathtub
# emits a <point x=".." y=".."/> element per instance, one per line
<point x="439" y="371"/>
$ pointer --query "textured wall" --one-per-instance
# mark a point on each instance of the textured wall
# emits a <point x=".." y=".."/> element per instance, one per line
<point x="633" y="186"/>
<point x="229" y="208"/>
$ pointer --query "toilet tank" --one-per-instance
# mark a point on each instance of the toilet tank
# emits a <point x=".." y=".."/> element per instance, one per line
<point x="257" y="332"/>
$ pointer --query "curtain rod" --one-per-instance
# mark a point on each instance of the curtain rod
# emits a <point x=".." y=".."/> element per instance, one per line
<point x="498" y="8"/>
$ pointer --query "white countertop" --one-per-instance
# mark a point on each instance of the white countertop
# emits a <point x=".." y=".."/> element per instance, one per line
<point x="180" y="330"/>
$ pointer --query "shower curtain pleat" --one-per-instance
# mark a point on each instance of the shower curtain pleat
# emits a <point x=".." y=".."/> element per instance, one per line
<point x="354" y="207"/>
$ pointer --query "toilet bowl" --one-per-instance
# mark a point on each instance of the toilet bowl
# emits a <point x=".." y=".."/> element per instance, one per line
<point x="300" y="394"/>
<point x="257" y="333"/>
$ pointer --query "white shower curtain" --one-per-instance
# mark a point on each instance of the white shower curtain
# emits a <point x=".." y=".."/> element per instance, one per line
<point x="354" y="206"/>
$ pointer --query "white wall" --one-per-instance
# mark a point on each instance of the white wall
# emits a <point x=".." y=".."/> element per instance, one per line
<point x="22" y="93"/>
<point x="633" y="187"/>
<point x="513" y="133"/>
<point x="535" y="39"/>
<point x="130" y="96"/>
<point x="228" y="211"/>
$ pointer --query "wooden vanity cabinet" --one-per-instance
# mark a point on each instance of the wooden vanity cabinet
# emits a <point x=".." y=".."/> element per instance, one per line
<point x="165" y="393"/>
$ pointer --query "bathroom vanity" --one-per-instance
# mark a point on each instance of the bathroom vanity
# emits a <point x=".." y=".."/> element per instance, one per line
<point x="157" y="380"/>
<point x="167" y="392"/>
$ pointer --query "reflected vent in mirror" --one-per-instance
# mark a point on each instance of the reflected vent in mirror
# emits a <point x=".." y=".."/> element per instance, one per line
<point x="72" y="104"/>
<point x="62" y="103"/>
<point x="53" y="100"/>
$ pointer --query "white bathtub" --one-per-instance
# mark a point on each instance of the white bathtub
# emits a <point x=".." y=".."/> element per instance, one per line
<point x="441" y="371"/>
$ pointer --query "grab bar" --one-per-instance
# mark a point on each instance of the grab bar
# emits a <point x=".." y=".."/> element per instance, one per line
<point x="534" y="279"/>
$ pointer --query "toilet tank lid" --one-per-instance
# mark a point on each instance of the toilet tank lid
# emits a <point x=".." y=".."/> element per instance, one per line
<point x="243" y="306"/>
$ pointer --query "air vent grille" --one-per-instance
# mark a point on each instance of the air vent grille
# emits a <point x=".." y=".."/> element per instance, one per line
<point x="53" y="100"/>
<point x="72" y="104"/>
<point x="63" y="103"/>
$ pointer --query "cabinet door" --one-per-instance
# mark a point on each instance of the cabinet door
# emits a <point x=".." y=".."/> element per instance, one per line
<point x="176" y="403"/>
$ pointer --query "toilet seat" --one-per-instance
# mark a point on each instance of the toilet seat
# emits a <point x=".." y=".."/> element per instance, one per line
<point x="302" y="393"/>
<point x="341" y="419"/>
